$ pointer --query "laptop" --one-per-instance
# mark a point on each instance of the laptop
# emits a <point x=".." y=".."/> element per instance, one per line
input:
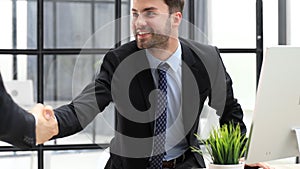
<point x="21" y="92"/>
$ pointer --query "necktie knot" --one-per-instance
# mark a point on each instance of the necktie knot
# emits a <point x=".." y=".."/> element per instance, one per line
<point x="163" y="67"/>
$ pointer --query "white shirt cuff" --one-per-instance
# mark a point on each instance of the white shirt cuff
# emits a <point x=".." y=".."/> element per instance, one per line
<point x="36" y="119"/>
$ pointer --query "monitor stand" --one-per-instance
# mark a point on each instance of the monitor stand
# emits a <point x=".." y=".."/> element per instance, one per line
<point x="297" y="130"/>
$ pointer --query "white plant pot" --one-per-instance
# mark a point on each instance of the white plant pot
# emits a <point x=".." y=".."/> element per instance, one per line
<point x="231" y="166"/>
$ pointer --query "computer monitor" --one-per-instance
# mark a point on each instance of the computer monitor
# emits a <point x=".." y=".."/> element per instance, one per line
<point x="277" y="107"/>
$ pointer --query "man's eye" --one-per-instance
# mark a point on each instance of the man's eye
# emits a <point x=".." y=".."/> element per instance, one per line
<point x="135" y="15"/>
<point x="150" y="14"/>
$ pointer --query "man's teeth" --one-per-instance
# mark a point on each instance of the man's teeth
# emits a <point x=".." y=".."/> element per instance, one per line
<point x="142" y="33"/>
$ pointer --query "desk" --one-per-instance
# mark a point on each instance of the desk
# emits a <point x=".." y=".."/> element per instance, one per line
<point x="280" y="166"/>
<point x="286" y="163"/>
<point x="286" y="166"/>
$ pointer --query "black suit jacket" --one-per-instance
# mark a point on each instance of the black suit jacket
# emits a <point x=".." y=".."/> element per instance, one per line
<point x="17" y="126"/>
<point x="125" y="79"/>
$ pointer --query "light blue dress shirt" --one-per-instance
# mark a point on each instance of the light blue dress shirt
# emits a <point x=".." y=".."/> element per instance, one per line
<point x="176" y="143"/>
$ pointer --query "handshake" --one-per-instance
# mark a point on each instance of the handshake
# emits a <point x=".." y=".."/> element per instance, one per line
<point x="46" y="123"/>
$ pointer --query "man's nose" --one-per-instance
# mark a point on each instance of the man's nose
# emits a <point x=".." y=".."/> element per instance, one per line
<point x="140" y="21"/>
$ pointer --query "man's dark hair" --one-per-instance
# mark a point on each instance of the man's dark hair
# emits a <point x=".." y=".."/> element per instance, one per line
<point x="175" y="5"/>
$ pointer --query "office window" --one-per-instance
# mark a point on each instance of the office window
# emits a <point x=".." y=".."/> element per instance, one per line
<point x="60" y="88"/>
<point x="231" y="23"/>
<point x="72" y="24"/>
<point x="294" y="28"/>
<point x="14" y="160"/>
<point x="60" y="159"/>
<point x="100" y="131"/>
<point x="18" y="24"/>
<point x="23" y="71"/>
<point x="78" y="71"/>
<point x="270" y="23"/>
<point x="242" y="70"/>
<point x="67" y="24"/>
<point x="195" y="27"/>
<point x="6" y="66"/>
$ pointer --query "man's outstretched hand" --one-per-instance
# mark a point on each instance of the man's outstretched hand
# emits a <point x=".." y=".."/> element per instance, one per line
<point x="46" y="126"/>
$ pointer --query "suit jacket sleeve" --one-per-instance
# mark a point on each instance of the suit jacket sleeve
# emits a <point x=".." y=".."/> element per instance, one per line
<point x="17" y="126"/>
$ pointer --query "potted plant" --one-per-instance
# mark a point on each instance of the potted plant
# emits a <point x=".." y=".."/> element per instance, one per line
<point x="225" y="145"/>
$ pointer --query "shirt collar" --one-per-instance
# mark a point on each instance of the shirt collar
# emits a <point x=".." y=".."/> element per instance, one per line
<point x="174" y="61"/>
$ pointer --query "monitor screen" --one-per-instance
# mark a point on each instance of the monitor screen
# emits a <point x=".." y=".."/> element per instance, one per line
<point x="277" y="107"/>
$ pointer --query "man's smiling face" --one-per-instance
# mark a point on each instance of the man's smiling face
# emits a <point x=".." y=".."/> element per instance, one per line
<point x="151" y="23"/>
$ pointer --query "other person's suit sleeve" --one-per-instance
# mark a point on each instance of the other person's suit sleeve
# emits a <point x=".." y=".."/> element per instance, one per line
<point x="17" y="126"/>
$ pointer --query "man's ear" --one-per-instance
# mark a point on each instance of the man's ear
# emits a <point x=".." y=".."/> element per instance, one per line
<point x="177" y="17"/>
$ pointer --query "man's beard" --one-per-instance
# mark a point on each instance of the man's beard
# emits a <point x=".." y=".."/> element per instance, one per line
<point x="156" y="41"/>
